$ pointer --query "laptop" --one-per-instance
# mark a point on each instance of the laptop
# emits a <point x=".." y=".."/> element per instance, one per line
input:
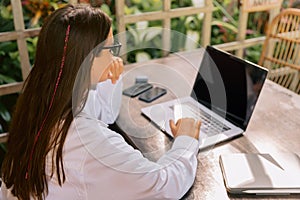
<point x="224" y="95"/>
<point x="261" y="174"/>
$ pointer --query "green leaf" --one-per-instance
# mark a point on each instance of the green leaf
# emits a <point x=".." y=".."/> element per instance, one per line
<point x="225" y="25"/>
<point x="6" y="79"/>
<point x="136" y="1"/>
<point x="105" y="8"/>
<point x="14" y="55"/>
<point x="223" y="10"/>
<point x="142" y="56"/>
<point x="152" y="33"/>
<point x="2" y="146"/>
<point x="5" y="13"/>
<point x="54" y="5"/>
<point x="131" y="10"/>
<point x="134" y="34"/>
<point x="8" y="46"/>
<point x="146" y="5"/>
<point x="4" y="113"/>
<point x="142" y="24"/>
<point x="190" y="22"/>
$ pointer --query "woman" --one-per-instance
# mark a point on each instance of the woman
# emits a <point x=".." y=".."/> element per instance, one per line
<point x="59" y="145"/>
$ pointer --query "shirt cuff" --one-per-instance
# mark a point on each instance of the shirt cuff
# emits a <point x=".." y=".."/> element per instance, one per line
<point x="186" y="142"/>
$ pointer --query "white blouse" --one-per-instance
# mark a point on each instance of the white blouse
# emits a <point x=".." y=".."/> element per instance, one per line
<point x="99" y="164"/>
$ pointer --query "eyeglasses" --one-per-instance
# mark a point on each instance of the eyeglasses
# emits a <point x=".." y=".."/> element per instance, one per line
<point x="114" y="49"/>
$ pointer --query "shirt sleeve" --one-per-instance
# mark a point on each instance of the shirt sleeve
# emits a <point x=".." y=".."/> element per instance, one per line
<point x="114" y="165"/>
<point x="110" y="99"/>
<point x="5" y="194"/>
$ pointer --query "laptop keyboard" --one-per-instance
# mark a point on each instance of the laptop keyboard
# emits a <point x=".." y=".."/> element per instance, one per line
<point x="210" y="125"/>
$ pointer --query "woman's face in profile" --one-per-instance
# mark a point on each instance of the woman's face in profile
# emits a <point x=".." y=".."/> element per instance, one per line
<point x="101" y="63"/>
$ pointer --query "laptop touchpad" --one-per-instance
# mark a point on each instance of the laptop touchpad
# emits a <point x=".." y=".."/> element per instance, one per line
<point x="161" y="116"/>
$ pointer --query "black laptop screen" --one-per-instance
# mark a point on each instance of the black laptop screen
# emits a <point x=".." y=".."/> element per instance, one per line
<point x="228" y="85"/>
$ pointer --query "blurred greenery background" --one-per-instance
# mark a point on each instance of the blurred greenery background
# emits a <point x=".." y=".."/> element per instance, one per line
<point x="224" y="29"/>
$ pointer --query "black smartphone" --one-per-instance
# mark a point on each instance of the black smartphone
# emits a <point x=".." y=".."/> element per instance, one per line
<point x="152" y="94"/>
<point x="137" y="89"/>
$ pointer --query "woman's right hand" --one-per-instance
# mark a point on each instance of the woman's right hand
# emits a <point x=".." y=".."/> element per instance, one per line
<point x="113" y="71"/>
<point x="186" y="126"/>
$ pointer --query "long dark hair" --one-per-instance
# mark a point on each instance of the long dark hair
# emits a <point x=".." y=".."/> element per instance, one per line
<point x="88" y="28"/>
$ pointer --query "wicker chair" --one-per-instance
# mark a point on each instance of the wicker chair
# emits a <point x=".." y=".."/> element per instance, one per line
<point x="281" y="49"/>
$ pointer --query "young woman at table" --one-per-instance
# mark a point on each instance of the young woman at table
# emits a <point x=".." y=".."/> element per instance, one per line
<point x="59" y="145"/>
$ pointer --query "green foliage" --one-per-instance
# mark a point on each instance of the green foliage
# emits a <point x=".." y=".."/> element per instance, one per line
<point x="34" y="13"/>
<point x="225" y="22"/>
<point x="180" y="3"/>
<point x="10" y="71"/>
<point x="6" y="18"/>
<point x="253" y="53"/>
<point x="10" y="63"/>
<point x="140" y="37"/>
<point x="7" y="103"/>
<point x="181" y="25"/>
<point x="134" y="6"/>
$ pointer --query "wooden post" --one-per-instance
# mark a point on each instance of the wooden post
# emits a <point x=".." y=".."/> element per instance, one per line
<point x="166" y="37"/>
<point x="121" y="27"/>
<point x="206" y="27"/>
<point x="243" y="19"/>
<point x="22" y="45"/>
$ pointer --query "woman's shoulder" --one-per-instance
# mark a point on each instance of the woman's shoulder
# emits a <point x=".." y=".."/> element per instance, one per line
<point x="84" y="120"/>
<point x="91" y="131"/>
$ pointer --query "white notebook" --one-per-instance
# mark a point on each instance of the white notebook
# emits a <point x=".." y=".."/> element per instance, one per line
<point x="261" y="173"/>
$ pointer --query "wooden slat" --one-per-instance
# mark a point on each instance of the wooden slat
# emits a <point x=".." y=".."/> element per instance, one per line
<point x="166" y="35"/>
<point x="206" y="27"/>
<point x="297" y="88"/>
<point x="243" y="19"/>
<point x="10" y="88"/>
<point x="283" y="63"/>
<point x="230" y="46"/>
<point x="14" y="35"/>
<point x="255" y="6"/>
<point x="159" y="15"/>
<point x="3" y="137"/>
<point x="284" y="38"/>
<point x="121" y="27"/>
<point x="285" y="76"/>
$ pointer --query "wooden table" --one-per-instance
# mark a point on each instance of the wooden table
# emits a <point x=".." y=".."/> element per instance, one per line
<point x="274" y="126"/>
